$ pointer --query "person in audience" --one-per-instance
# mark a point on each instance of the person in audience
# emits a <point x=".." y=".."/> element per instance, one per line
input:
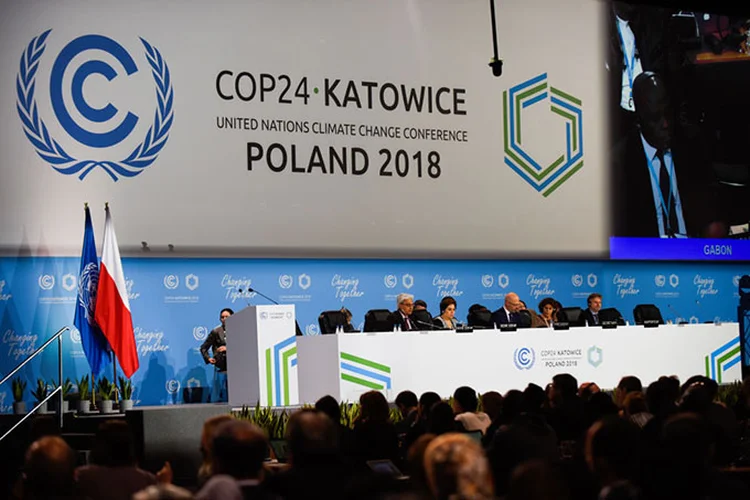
<point x="49" y="470"/>
<point x="465" y="407"/>
<point x="401" y="317"/>
<point x="217" y="342"/>
<point x="457" y="468"/>
<point x="164" y="492"/>
<point x="591" y="313"/>
<point x="113" y="473"/>
<point x="329" y="406"/>
<point x="492" y="404"/>
<point x="374" y="436"/>
<point x="598" y="406"/>
<point x="239" y="449"/>
<point x="206" y="469"/>
<point x="742" y="407"/>
<point x="547" y="308"/>
<point x="420" y="305"/>
<point x="509" y="312"/>
<point x="635" y="409"/>
<point x="587" y="389"/>
<point x="613" y="453"/>
<point x="627" y="385"/>
<point x="442" y="419"/>
<point x="537" y="480"/>
<point x="446" y="320"/>
<point x="565" y="414"/>
<point x="407" y="403"/>
<point x="535" y="399"/>
<point x="415" y="465"/>
<point x="419" y="427"/>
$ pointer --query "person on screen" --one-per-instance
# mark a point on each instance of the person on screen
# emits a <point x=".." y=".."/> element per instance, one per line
<point x="401" y="316"/>
<point x="217" y="342"/>
<point x="446" y="320"/>
<point x="663" y="185"/>
<point x="591" y="313"/>
<point x="509" y="313"/>
<point x="548" y="314"/>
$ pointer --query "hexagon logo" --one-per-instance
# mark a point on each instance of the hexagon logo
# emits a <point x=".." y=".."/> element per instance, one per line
<point x="193" y="382"/>
<point x="407" y="280"/>
<point x="674" y="280"/>
<point x="543" y="178"/>
<point x="304" y="281"/>
<point x="503" y="281"/>
<point x="70" y="282"/>
<point x="595" y="356"/>
<point x="592" y="280"/>
<point x="192" y="282"/>
<point x="577" y="280"/>
<point x="487" y="280"/>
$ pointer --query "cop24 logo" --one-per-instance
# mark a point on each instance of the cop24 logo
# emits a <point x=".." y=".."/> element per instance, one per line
<point x="61" y="85"/>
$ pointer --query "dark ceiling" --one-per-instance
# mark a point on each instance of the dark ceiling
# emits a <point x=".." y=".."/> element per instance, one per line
<point x="734" y="8"/>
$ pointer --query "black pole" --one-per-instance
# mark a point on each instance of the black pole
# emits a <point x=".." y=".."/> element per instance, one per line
<point x="494" y="29"/>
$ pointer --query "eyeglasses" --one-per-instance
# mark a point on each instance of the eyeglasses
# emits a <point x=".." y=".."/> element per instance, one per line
<point x="407" y="304"/>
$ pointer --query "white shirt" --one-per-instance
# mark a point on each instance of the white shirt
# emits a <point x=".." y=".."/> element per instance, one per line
<point x="627" y="44"/>
<point x="655" y="166"/>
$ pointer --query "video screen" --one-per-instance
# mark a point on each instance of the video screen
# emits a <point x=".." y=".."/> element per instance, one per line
<point x="679" y="103"/>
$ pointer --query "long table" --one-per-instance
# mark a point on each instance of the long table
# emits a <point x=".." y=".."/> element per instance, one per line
<point x="346" y="365"/>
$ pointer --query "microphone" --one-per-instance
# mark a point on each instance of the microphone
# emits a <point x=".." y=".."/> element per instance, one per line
<point x="676" y="315"/>
<point x="428" y="326"/>
<point x="253" y="290"/>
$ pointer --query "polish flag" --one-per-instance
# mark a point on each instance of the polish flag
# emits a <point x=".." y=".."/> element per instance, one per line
<point x="112" y="305"/>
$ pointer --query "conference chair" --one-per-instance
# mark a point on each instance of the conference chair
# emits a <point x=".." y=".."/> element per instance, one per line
<point x="573" y="316"/>
<point x="479" y="317"/>
<point x="330" y="320"/>
<point x="647" y="312"/>
<point x="423" y="319"/>
<point x="610" y="314"/>
<point x="378" y="320"/>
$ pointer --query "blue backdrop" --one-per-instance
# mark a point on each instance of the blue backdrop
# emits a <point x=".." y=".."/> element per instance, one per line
<point x="176" y="302"/>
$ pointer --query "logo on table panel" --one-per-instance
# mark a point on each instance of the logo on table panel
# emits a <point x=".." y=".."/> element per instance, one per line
<point x="171" y="282"/>
<point x="539" y="286"/>
<point x="280" y="359"/>
<point x="200" y="333"/>
<point x="722" y="359"/>
<point x="365" y="372"/>
<point x="524" y="358"/>
<point x="705" y="286"/>
<point x="543" y="178"/>
<point x="4" y="297"/>
<point x="46" y="281"/>
<point x="595" y="356"/>
<point x="173" y="386"/>
<point x="82" y="87"/>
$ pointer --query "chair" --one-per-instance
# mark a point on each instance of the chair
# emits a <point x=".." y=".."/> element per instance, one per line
<point x="423" y="319"/>
<point x="610" y="314"/>
<point x="647" y="312"/>
<point x="573" y="316"/>
<point x="330" y="320"/>
<point x="378" y="320"/>
<point x="479" y="317"/>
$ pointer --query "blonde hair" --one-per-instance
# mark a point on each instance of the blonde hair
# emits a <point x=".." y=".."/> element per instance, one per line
<point x="456" y="467"/>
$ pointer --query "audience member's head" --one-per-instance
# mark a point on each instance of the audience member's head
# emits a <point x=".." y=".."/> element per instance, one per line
<point x="420" y="305"/>
<point x="711" y="386"/>
<point x="329" y="406"/>
<point x="587" y="389"/>
<point x="627" y="384"/>
<point x="373" y="407"/>
<point x="457" y="468"/>
<point x="239" y="450"/>
<point x="312" y="438"/>
<point x="426" y="401"/>
<point x="635" y="402"/>
<point x="564" y="388"/>
<point x="535" y="398"/>
<point x="415" y="460"/>
<point x="613" y="450"/>
<point x="113" y="445"/>
<point x="49" y="469"/>
<point x="406" y="401"/>
<point x="696" y="398"/>
<point x="441" y="419"/>
<point x="599" y="405"/>
<point x="688" y="441"/>
<point x="465" y="400"/>
<point x="661" y="397"/>
<point x="537" y="480"/>
<point x="207" y="444"/>
<point x="514" y="404"/>
<point x="492" y="404"/>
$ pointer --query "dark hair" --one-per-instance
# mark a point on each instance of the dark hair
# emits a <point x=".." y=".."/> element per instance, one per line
<point x="617" y="441"/>
<point x="514" y="404"/>
<point x="373" y="407"/>
<point x="446" y="302"/>
<point x="441" y="419"/>
<point x="113" y="445"/>
<point x="226" y="309"/>
<point x="427" y="400"/>
<point x="592" y="297"/>
<point x="710" y="384"/>
<point x="534" y="398"/>
<point x="329" y="406"/>
<point x="466" y="397"/>
<point x="544" y="302"/>
<point x="630" y="384"/>
<point x="239" y="449"/>
<point x="407" y="399"/>
<point x="312" y="438"/>
<point x="477" y="307"/>
<point x="566" y="385"/>
<point x="420" y="302"/>
<point x="492" y="404"/>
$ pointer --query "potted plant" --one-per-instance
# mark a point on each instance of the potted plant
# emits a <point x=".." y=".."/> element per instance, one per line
<point x="84" y="393"/>
<point x="67" y="389"/>
<point x="39" y="393"/>
<point x="126" y="394"/>
<point x="105" y="389"/>
<point x="19" y="388"/>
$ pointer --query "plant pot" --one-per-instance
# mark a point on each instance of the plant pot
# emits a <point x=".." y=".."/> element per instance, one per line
<point x="105" y="406"/>
<point x="125" y="405"/>
<point x="65" y="406"/>
<point x="84" y="406"/>
<point x="42" y="407"/>
<point x="19" y="407"/>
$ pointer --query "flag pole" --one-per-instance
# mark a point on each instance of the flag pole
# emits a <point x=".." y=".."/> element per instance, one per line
<point x="114" y="374"/>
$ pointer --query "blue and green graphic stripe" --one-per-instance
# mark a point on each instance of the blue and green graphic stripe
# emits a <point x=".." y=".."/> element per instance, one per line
<point x="365" y="372"/>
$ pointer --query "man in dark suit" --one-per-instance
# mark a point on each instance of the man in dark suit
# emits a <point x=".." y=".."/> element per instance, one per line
<point x="217" y="342"/>
<point x="663" y="185"/>
<point x="509" y="313"/>
<point x="401" y="317"/>
<point x="591" y="313"/>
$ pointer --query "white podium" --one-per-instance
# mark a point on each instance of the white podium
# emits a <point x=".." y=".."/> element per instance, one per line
<point x="262" y="356"/>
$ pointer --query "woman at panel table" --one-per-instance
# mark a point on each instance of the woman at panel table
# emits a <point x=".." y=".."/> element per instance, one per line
<point x="446" y="319"/>
<point x="549" y="312"/>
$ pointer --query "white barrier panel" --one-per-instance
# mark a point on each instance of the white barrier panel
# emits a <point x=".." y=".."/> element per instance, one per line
<point x="347" y="365"/>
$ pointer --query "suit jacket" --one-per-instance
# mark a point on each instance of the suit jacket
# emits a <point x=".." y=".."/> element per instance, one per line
<point x="589" y="318"/>
<point x="399" y="319"/>
<point x="633" y="208"/>
<point x="217" y="338"/>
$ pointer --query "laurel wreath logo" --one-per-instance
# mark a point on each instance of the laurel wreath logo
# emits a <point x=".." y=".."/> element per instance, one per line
<point x="52" y="152"/>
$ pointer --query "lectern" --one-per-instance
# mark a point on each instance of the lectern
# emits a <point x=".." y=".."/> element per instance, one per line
<point x="262" y="356"/>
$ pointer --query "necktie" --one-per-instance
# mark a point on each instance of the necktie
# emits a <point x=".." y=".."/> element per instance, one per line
<point x="669" y="210"/>
<point x="596" y="318"/>
<point x="407" y="323"/>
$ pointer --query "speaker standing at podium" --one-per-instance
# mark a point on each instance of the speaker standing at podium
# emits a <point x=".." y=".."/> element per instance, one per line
<point x="217" y="342"/>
